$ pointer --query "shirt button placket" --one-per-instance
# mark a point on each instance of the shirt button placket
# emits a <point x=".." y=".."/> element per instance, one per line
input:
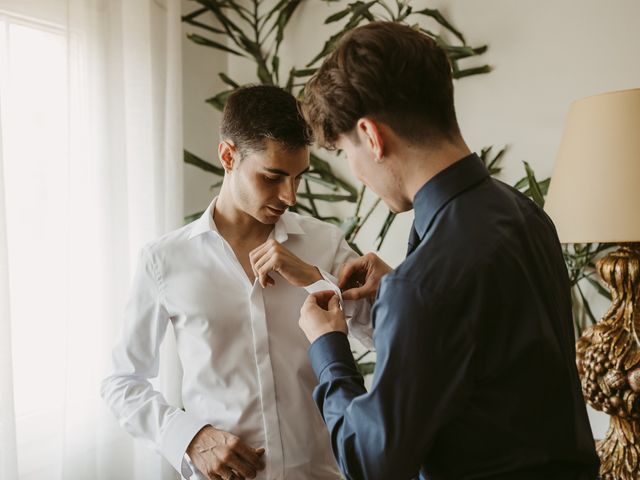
<point x="274" y="460"/>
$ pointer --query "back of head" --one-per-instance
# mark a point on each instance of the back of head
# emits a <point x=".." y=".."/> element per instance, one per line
<point x="389" y="72"/>
<point x="256" y="113"/>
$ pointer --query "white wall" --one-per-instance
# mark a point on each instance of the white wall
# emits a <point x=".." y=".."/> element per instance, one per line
<point x="201" y="121"/>
<point x="545" y="54"/>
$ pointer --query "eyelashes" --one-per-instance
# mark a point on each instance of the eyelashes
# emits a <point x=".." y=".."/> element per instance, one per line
<point x="269" y="179"/>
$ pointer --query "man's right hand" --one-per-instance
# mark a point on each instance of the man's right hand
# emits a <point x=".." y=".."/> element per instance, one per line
<point x="360" y="278"/>
<point x="222" y="455"/>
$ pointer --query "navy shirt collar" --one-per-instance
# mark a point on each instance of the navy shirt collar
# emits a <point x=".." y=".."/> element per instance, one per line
<point x="444" y="186"/>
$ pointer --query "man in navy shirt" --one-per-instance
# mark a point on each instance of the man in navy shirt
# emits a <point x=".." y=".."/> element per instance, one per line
<point x="475" y="374"/>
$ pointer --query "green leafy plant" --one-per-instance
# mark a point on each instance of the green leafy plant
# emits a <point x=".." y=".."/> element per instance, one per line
<point x="246" y="29"/>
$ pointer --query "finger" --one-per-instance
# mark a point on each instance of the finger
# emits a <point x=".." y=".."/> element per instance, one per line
<point x="358" y="293"/>
<point x="258" y="266"/>
<point x="324" y="295"/>
<point x="260" y="453"/>
<point x="262" y="272"/>
<point x="348" y="270"/>
<point x="323" y="298"/>
<point x="248" y="466"/>
<point x="222" y="471"/>
<point x="241" y="466"/>
<point x="249" y="456"/>
<point x="261" y="257"/>
<point x="264" y="265"/>
<point x="210" y="475"/>
<point x="260" y="249"/>
<point x="255" y="259"/>
<point x="260" y="252"/>
<point x="368" y="288"/>
<point x="311" y="300"/>
<point x="334" y="304"/>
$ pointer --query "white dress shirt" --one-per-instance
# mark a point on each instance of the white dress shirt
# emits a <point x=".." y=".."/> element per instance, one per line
<point x="245" y="363"/>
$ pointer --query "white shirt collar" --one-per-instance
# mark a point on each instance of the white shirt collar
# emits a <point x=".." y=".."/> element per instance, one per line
<point x="286" y="225"/>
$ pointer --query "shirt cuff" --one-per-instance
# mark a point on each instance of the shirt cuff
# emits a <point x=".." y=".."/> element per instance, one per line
<point x="176" y="438"/>
<point x="330" y="348"/>
<point x="329" y="282"/>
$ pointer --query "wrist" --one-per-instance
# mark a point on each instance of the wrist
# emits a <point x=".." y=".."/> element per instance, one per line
<point x="311" y="275"/>
<point x="320" y="329"/>
<point x="315" y="334"/>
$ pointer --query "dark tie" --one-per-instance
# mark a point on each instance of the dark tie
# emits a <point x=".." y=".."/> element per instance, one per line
<point x="414" y="239"/>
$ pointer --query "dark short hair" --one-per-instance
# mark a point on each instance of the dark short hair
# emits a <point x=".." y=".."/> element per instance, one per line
<point x="258" y="112"/>
<point x="387" y="71"/>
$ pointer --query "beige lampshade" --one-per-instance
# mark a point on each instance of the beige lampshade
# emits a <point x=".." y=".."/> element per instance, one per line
<point x="594" y="195"/>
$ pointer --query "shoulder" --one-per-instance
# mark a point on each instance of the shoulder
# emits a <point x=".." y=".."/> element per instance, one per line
<point x="169" y="244"/>
<point x="471" y="234"/>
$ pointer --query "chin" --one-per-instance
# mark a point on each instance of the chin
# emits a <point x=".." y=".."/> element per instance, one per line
<point x="401" y="209"/>
<point x="396" y="205"/>
<point x="265" y="219"/>
<point x="268" y="216"/>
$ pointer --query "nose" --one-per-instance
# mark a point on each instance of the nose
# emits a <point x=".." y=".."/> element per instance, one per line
<point x="288" y="192"/>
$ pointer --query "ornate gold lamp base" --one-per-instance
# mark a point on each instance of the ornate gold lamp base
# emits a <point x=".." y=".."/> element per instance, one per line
<point x="608" y="358"/>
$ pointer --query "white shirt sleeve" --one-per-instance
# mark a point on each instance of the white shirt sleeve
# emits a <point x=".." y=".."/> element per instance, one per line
<point x="141" y="410"/>
<point x="357" y="312"/>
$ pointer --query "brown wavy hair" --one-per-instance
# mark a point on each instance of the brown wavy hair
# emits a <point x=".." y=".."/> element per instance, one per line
<point x="389" y="72"/>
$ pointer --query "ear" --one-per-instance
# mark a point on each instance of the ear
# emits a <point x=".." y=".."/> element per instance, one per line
<point x="370" y="133"/>
<point x="227" y="153"/>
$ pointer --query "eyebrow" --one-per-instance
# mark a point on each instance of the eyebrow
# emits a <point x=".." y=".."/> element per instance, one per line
<point x="277" y="171"/>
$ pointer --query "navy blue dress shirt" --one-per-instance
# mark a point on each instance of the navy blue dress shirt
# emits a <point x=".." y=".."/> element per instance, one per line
<point x="475" y="375"/>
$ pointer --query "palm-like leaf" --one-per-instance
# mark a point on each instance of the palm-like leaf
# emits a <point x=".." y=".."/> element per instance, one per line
<point x="243" y="29"/>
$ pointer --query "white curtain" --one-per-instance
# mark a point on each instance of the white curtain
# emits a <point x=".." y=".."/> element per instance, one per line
<point x="90" y="169"/>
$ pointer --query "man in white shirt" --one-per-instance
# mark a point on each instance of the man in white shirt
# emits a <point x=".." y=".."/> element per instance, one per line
<point x="230" y="284"/>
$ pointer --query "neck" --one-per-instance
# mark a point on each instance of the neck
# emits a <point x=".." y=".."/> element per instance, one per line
<point x="236" y="224"/>
<point x="426" y="164"/>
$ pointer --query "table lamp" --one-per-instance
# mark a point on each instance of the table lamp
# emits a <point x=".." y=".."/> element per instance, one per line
<point x="594" y="196"/>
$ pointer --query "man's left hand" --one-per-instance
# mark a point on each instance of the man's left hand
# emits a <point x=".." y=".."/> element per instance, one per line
<point x="273" y="257"/>
<point x="320" y="314"/>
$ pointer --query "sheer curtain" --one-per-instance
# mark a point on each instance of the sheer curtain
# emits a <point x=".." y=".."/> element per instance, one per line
<point x="90" y="169"/>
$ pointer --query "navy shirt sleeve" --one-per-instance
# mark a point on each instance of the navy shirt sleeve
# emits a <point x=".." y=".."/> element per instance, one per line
<point x="421" y="379"/>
